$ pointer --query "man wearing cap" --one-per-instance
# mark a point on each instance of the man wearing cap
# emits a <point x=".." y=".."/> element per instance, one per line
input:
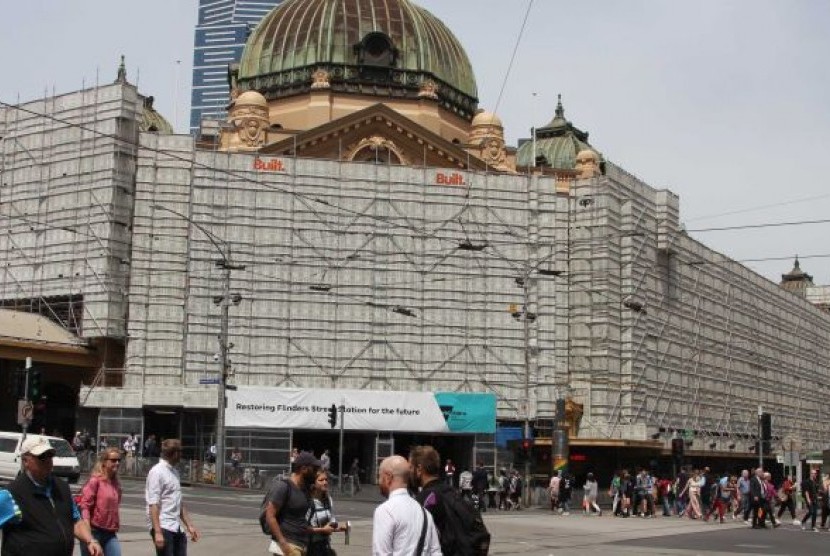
<point x="46" y="518"/>
<point x="166" y="512"/>
<point x="288" y="506"/>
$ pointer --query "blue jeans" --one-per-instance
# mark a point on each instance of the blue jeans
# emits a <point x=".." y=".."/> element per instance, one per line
<point x="812" y="513"/>
<point x="175" y="544"/>
<point x="108" y="541"/>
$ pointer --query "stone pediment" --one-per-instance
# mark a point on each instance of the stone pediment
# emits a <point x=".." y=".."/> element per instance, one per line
<point x="377" y="133"/>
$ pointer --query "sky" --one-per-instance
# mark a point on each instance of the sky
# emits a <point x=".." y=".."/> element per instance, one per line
<point x="724" y="102"/>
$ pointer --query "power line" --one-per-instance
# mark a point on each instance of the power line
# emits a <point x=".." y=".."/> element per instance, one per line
<point x="759" y="207"/>
<point x="762" y="225"/>
<point x="761" y="259"/>
<point x="513" y="57"/>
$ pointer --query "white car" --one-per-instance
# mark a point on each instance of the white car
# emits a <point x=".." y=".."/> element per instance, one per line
<point x="65" y="463"/>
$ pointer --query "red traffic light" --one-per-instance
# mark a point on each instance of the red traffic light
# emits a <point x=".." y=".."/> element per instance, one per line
<point x="527" y="444"/>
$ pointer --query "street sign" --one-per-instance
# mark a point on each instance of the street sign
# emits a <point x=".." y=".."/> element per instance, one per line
<point x="791" y="459"/>
<point x="208" y="381"/>
<point x="24" y="412"/>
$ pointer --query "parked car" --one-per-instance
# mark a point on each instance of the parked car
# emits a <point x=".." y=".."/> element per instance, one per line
<point x="65" y="463"/>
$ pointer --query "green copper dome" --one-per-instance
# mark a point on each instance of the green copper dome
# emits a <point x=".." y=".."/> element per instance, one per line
<point x="383" y="47"/>
<point x="152" y="121"/>
<point x="558" y="143"/>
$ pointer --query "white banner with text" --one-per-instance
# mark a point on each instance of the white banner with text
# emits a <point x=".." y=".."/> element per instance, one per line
<point x="300" y="408"/>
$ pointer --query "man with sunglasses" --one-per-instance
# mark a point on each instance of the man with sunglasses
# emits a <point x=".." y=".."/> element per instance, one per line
<point x="47" y="520"/>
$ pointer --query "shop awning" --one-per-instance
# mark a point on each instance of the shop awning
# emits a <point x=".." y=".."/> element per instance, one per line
<point x="31" y="335"/>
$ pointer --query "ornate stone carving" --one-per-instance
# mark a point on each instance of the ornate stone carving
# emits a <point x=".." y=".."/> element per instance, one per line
<point x="320" y="79"/>
<point x="587" y="164"/>
<point x="249" y="115"/>
<point x="377" y="148"/>
<point x="487" y="133"/>
<point x="573" y="417"/>
<point x="493" y="153"/>
<point x="429" y="89"/>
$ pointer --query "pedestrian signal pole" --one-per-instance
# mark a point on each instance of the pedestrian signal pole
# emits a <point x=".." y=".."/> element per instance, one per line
<point x="27" y="377"/>
<point x="340" y="451"/>
<point x="760" y="437"/>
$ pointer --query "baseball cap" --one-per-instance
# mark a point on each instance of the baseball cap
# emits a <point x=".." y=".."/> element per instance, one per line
<point x="36" y="445"/>
<point x="307" y="458"/>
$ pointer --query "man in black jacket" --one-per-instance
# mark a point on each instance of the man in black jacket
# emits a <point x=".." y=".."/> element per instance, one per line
<point x="809" y="490"/>
<point x="757" y="492"/>
<point x="480" y="484"/>
<point x="49" y="520"/>
<point x="457" y="537"/>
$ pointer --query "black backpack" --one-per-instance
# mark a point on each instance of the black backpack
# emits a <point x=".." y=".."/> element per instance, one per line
<point x="463" y="532"/>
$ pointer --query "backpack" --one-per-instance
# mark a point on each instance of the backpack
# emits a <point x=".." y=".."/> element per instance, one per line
<point x="263" y="524"/>
<point x="714" y="490"/>
<point x="463" y="532"/>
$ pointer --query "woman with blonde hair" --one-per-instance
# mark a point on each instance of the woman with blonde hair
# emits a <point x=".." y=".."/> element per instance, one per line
<point x="693" y="510"/>
<point x="100" y="499"/>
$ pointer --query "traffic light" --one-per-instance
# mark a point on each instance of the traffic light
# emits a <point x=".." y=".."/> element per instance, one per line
<point x="35" y="384"/>
<point x="678" y="445"/>
<point x="766" y="432"/>
<point x="333" y="415"/>
<point x="527" y="447"/>
<point x="17" y="384"/>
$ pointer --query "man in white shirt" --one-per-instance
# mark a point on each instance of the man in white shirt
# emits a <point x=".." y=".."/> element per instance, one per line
<point x="165" y="510"/>
<point x="129" y="446"/>
<point x="400" y="524"/>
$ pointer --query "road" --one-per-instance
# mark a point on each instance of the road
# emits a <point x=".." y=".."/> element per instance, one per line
<point x="229" y="522"/>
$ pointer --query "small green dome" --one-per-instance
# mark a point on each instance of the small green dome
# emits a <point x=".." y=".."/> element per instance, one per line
<point x="558" y="142"/>
<point x="383" y="47"/>
<point x="152" y="121"/>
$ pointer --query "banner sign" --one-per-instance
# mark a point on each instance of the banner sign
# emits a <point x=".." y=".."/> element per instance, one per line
<point x="300" y="408"/>
<point x="468" y="412"/>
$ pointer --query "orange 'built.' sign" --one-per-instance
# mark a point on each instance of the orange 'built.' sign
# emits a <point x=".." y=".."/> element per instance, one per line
<point x="449" y="179"/>
<point x="273" y="165"/>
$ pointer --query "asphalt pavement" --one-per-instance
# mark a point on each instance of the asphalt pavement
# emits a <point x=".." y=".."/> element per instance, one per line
<point x="228" y="521"/>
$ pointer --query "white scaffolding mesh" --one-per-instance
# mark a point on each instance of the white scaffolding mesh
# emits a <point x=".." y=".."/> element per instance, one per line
<point x="371" y="276"/>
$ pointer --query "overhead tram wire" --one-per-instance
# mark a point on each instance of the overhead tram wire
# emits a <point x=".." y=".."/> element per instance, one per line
<point x="367" y="255"/>
<point x="229" y="173"/>
<point x="513" y="56"/>
<point x="307" y="197"/>
<point x="331" y="205"/>
<point x="759" y="226"/>
<point x="758" y="208"/>
<point x="424" y="233"/>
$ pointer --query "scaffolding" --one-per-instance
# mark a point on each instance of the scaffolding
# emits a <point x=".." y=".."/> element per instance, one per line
<point x="67" y="164"/>
<point x="372" y="276"/>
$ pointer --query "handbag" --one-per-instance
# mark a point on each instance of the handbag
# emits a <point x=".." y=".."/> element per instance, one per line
<point x="320" y="549"/>
<point x="782" y="496"/>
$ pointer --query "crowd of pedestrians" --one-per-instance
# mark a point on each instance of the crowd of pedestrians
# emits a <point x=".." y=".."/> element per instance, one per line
<point x="751" y="497"/>
<point x="431" y="508"/>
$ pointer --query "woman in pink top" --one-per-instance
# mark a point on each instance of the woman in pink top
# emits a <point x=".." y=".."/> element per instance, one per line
<point x="100" y="499"/>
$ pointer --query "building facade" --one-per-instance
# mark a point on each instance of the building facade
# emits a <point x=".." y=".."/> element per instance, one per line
<point x="221" y="31"/>
<point x="375" y="233"/>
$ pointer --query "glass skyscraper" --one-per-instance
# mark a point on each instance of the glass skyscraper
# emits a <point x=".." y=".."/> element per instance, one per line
<point x="221" y="32"/>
